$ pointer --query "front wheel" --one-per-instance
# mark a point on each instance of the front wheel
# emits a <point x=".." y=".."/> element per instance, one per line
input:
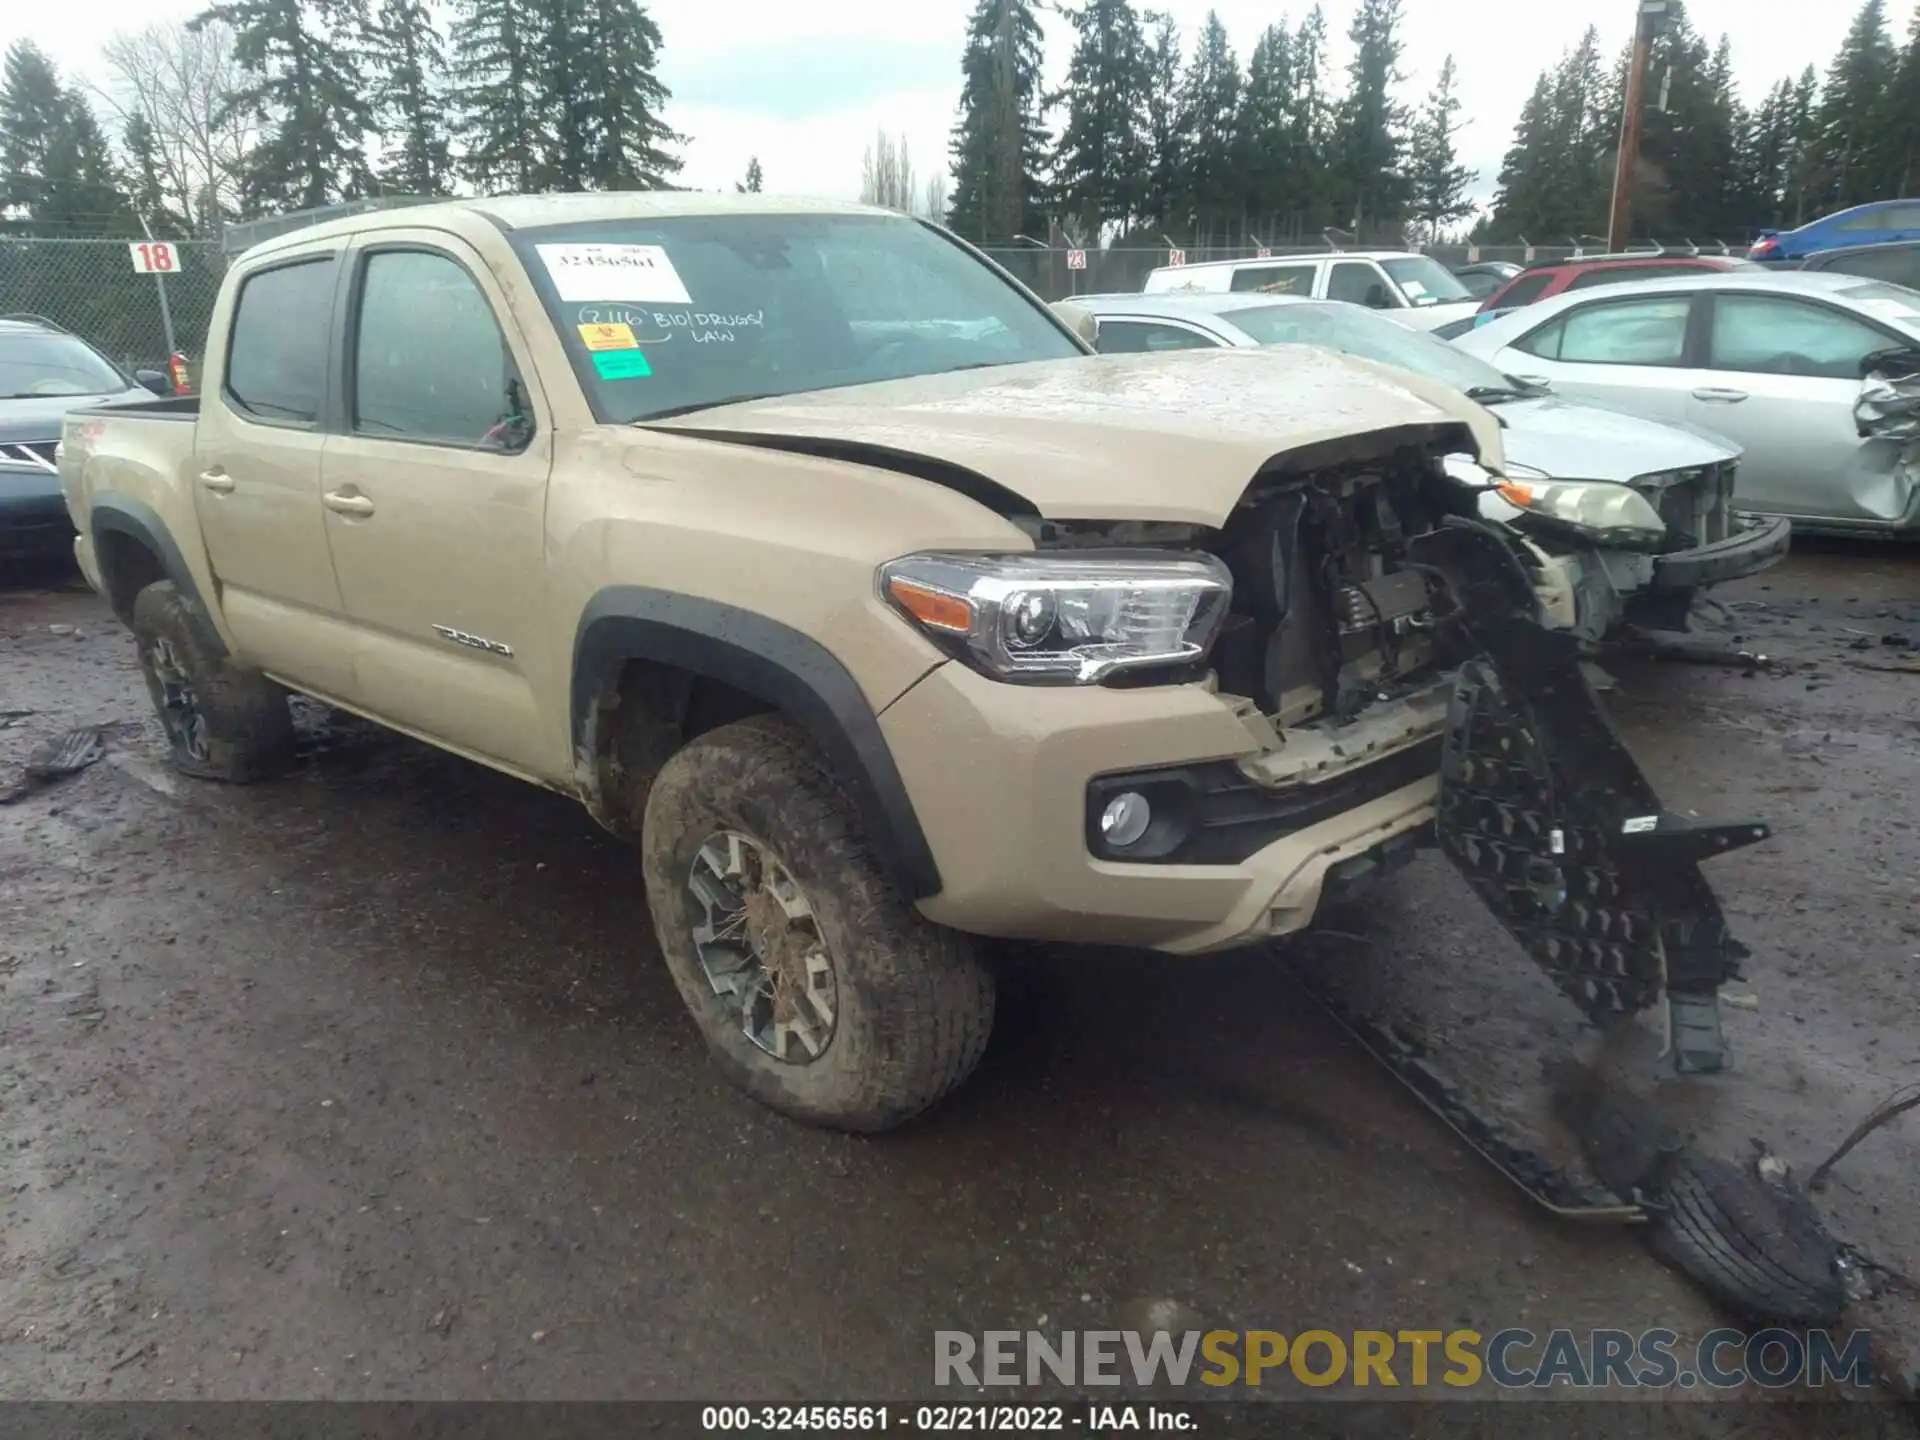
<point x="820" y="991"/>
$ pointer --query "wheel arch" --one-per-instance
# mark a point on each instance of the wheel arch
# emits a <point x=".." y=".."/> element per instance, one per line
<point x="134" y="548"/>
<point x="692" y="663"/>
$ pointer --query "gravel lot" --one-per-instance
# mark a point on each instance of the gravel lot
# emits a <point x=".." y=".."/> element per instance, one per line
<point x="368" y="1083"/>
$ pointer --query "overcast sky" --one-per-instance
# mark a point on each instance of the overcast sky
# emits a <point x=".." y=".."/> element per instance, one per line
<point x="804" y="87"/>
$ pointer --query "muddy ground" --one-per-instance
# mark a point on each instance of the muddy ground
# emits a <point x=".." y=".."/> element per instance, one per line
<point x="368" y="1083"/>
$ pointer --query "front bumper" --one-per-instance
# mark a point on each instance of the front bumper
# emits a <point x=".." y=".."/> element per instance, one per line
<point x="1757" y="543"/>
<point x="33" y="517"/>
<point x="1000" y="774"/>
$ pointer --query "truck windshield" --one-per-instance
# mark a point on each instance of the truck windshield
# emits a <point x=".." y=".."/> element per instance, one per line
<point x="34" y="363"/>
<point x="661" y="316"/>
<point x="1424" y="280"/>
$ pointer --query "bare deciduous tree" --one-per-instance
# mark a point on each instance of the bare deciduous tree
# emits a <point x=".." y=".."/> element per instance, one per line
<point x="886" y="175"/>
<point x="933" y="202"/>
<point x="180" y="81"/>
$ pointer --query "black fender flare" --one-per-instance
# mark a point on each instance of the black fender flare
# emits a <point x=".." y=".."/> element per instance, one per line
<point x="111" y="513"/>
<point x="772" y="662"/>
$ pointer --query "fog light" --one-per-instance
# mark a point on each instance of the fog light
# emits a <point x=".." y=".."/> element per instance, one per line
<point x="1125" y="819"/>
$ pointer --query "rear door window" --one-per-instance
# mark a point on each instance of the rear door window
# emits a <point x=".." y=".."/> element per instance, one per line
<point x="1147" y="337"/>
<point x="1620" y="332"/>
<point x="277" y="345"/>
<point x="1276" y="279"/>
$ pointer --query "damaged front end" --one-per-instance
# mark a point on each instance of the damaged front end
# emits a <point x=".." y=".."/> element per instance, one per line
<point x="1376" y="621"/>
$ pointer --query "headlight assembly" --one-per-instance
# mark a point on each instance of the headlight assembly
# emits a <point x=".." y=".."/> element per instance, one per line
<point x="1073" y="619"/>
<point x="1599" y="510"/>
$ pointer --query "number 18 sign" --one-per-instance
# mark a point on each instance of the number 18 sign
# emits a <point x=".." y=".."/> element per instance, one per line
<point x="154" y="257"/>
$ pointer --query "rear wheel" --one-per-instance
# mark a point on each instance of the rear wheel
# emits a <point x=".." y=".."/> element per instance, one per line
<point x="222" y="721"/>
<point x="820" y="991"/>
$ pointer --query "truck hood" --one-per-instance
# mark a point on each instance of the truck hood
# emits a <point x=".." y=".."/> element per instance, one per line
<point x="1570" y="441"/>
<point x="1172" y="437"/>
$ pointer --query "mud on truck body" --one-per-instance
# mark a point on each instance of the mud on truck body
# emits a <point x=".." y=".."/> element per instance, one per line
<point x="817" y="557"/>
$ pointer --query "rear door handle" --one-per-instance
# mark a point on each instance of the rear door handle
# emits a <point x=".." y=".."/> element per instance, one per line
<point x="217" y="481"/>
<point x="1715" y="396"/>
<point x="341" y="503"/>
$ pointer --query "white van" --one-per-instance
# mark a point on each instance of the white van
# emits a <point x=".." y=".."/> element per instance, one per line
<point x="1416" y="290"/>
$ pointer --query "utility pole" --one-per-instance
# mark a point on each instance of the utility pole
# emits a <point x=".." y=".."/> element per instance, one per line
<point x="1652" y="16"/>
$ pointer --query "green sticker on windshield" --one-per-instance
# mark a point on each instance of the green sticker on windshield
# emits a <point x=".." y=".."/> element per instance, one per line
<point x="621" y="364"/>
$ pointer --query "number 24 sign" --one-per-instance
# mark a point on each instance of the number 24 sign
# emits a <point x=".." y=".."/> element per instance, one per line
<point x="154" y="257"/>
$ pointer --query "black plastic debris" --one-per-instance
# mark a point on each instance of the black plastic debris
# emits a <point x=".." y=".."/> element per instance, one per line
<point x="60" y="755"/>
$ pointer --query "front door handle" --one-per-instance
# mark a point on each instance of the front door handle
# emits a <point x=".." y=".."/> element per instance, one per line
<point x="217" y="481"/>
<point x="1714" y="396"/>
<point x="343" y="503"/>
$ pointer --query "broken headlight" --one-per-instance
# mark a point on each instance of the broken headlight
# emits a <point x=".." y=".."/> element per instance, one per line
<point x="1064" y="619"/>
<point x="1596" y="510"/>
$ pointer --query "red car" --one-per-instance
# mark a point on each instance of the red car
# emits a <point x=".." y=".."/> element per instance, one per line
<point x="1549" y="278"/>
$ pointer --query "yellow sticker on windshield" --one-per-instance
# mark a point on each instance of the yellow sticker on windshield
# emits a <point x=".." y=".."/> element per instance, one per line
<point x="609" y="337"/>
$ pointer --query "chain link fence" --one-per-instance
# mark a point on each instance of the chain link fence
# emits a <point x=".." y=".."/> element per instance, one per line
<point x="1053" y="273"/>
<point x="91" y="288"/>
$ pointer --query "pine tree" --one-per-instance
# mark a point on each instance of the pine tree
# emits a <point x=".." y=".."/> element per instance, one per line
<point x="1163" y="195"/>
<point x="1898" y="122"/>
<point x="1766" y="146"/>
<point x="58" y="167"/>
<point x="1263" y="141"/>
<point x="627" y="141"/>
<point x="1850" y="160"/>
<point x="1209" y="112"/>
<point x="1311" y="126"/>
<point x="32" y="115"/>
<point x="1524" y="203"/>
<point x="409" y="99"/>
<point x="1370" y="140"/>
<point x="1439" y="182"/>
<point x="307" y="89"/>
<point x="998" y="141"/>
<point x="1102" y="161"/>
<point x="503" y="123"/>
<point x="1803" y="150"/>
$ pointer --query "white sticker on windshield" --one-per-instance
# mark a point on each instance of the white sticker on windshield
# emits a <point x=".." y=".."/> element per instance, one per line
<point x="1415" y="290"/>
<point x="637" y="273"/>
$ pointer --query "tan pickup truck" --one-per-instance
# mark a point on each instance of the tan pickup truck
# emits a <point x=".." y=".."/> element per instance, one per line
<point x="818" y="557"/>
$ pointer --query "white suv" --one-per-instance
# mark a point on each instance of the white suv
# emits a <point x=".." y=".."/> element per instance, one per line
<point x="1416" y="290"/>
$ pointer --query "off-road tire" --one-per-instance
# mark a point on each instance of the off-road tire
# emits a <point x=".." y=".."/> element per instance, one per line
<point x="1757" y="1247"/>
<point x="914" y="1004"/>
<point x="247" y="731"/>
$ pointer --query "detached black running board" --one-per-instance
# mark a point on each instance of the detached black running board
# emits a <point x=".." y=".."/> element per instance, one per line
<point x="1544" y="811"/>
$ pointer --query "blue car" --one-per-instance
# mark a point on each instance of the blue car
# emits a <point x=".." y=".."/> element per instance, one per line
<point x="1862" y="225"/>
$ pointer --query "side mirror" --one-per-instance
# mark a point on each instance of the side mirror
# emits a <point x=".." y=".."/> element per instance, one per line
<point x="1077" y="318"/>
<point x="1377" y="297"/>
<point x="155" y="380"/>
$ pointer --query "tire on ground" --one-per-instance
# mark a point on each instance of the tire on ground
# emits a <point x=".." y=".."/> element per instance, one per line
<point x="1757" y="1247"/>
<point x="914" y="1004"/>
<point x="248" y="729"/>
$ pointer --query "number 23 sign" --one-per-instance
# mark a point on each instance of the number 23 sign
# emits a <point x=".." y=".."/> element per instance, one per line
<point x="154" y="257"/>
